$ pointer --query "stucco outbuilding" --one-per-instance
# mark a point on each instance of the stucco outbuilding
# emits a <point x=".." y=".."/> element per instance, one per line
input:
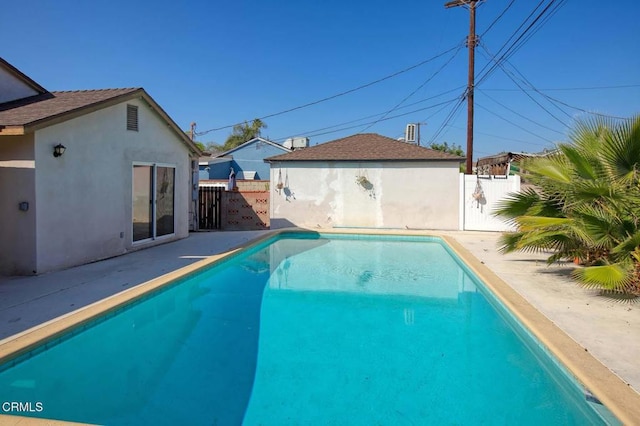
<point x="365" y="180"/>
<point x="124" y="181"/>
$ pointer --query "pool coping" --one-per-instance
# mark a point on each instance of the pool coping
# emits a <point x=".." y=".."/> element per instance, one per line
<point x="611" y="390"/>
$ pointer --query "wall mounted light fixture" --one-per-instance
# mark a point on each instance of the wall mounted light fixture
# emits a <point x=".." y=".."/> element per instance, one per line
<point x="58" y="150"/>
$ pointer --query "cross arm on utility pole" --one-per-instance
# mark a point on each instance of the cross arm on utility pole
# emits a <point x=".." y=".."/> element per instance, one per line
<point x="454" y="3"/>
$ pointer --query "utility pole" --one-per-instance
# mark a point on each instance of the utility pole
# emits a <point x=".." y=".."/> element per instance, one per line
<point x="471" y="44"/>
<point x="419" y="124"/>
<point x="193" y="130"/>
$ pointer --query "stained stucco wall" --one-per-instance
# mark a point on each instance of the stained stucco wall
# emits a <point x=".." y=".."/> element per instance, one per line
<point x="421" y="195"/>
<point x="17" y="184"/>
<point x="85" y="196"/>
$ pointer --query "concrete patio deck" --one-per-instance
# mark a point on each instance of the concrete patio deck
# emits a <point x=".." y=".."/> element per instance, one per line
<point x="28" y="301"/>
<point x="607" y="328"/>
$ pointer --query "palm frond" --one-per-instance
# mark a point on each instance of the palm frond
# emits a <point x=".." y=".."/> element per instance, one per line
<point x="509" y="242"/>
<point x="622" y="150"/>
<point x="628" y="247"/>
<point x="616" y="276"/>
<point x="536" y="222"/>
<point x="579" y="162"/>
<point x="516" y="204"/>
<point x="552" y="168"/>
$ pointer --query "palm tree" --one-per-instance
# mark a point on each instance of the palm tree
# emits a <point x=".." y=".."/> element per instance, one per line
<point x="586" y="205"/>
<point x="244" y="132"/>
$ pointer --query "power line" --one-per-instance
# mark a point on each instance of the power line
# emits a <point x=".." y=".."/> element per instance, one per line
<point x="512" y="123"/>
<point x="314" y="133"/>
<point x="508" y="47"/>
<point x="514" y="46"/>
<point x="377" y="114"/>
<point x="501" y="137"/>
<point x="498" y="18"/>
<point x="546" y="18"/>
<point x="625" y="86"/>
<point x="346" y="92"/>
<point x="525" y="92"/>
<point x="582" y="109"/>
<point x="518" y="114"/>
<point x="414" y="91"/>
<point x="448" y="119"/>
<point x="555" y="101"/>
<point x="513" y="34"/>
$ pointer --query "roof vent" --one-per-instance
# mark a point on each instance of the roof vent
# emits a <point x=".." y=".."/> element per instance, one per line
<point x="410" y="133"/>
<point x="132" y="118"/>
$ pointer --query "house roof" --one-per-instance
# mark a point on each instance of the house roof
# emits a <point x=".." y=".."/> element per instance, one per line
<point x="29" y="111"/>
<point x="251" y="141"/>
<point x="35" y="112"/>
<point x="366" y="147"/>
<point x="21" y="76"/>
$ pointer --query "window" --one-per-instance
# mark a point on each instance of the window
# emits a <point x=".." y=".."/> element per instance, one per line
<point x="153" y="201"/>
<point x="132" y="117"/>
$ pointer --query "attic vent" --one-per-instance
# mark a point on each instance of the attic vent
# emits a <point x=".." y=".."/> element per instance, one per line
<point x="132" y="118"/>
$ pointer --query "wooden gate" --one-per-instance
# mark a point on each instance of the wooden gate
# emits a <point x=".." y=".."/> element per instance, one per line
<point x="210" y="210"/>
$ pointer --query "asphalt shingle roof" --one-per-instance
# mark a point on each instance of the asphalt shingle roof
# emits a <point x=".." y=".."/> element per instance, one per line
<point x="366" y="147"/>
<point x="35" y="108"/>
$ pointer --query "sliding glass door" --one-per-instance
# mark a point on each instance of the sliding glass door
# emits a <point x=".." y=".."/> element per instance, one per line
<point x="164" y="200"/>
<point x="153" y="201"/>
<point x="142" y="202"/>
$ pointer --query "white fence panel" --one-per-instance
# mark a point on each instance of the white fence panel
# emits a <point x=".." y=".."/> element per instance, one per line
<point x="480" y="195"/>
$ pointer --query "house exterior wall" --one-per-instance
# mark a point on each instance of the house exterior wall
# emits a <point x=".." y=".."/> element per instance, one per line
<point x="216" y="168"/>
<point x="86" y="195"/>
<point x="248" y="158"/>
<point x="17" y="184"/>
<point x="12" y="88"/>
<point x="422" y="195"/>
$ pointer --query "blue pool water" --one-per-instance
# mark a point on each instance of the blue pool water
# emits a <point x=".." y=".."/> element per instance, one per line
<point x="306" y="330"/>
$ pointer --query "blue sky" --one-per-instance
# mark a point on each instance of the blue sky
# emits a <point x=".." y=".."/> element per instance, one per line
<point x="219" y="63"/>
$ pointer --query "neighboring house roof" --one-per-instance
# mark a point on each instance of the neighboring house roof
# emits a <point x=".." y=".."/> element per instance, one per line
<point x="500" y="164"/>
<point x="504" y="157"/>
<point x="204" y="161"/>
<point x="251" y="141"/>
<point x="29" y="114"/>
<point x="366" y="147"/>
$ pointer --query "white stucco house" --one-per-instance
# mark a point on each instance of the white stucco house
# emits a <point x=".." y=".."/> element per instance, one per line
<point x="365" y="180"/>
<point x="86" y="175"/>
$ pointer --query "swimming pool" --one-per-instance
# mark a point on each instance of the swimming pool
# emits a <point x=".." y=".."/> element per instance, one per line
<point x="306" y="329"/>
